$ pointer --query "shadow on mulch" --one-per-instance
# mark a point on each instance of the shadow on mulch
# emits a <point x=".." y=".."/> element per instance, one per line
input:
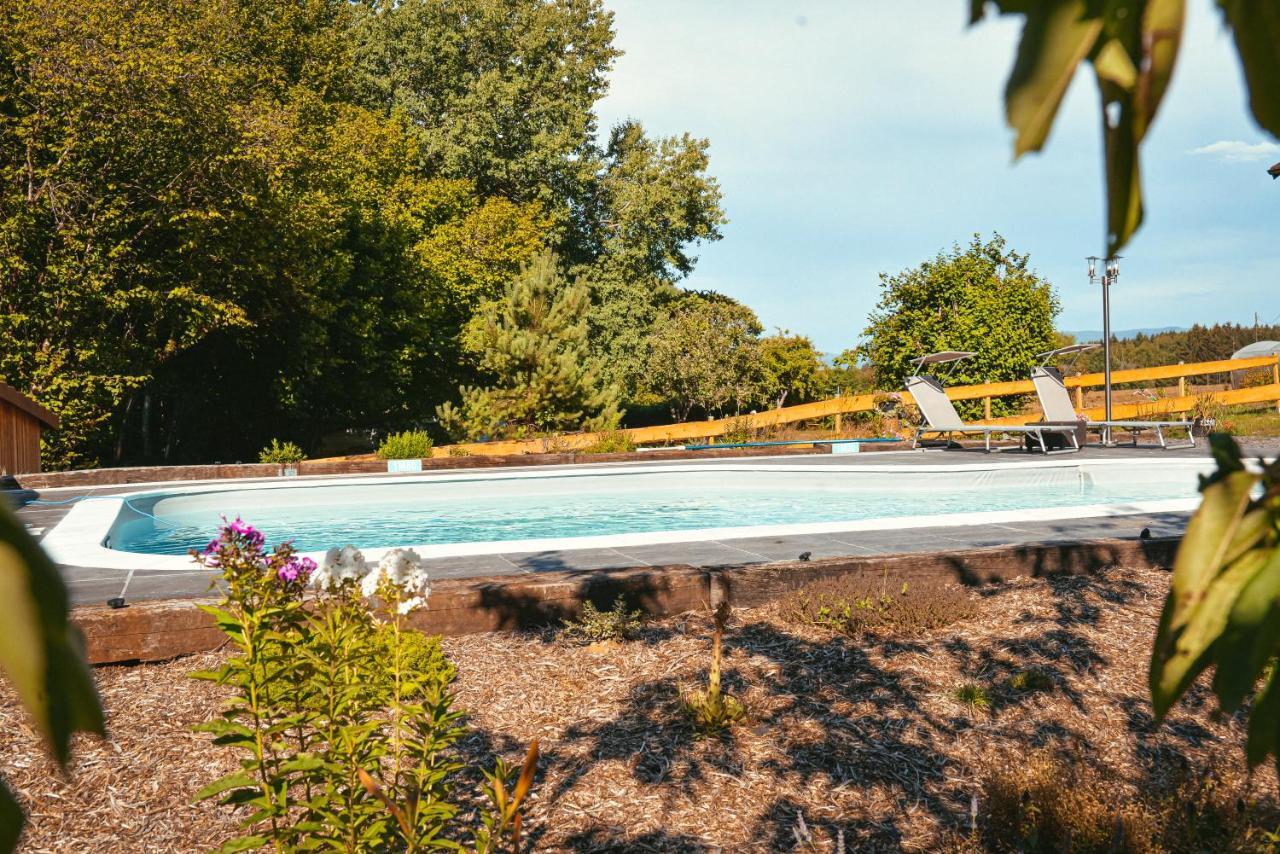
<point x="894" y="743"/>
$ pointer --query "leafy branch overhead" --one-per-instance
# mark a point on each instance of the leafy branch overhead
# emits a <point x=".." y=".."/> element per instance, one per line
<point x="1132" y="46"/>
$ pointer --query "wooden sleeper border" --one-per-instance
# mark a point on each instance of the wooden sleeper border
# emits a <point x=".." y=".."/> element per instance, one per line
<point x="159" y="630"/>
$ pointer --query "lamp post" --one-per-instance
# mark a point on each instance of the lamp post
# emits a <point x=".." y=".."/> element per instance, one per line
<point x="1110" y="272"/>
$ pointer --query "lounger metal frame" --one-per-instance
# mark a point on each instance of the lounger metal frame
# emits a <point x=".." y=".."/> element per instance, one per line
<point x="1055" y="402"/>
<point x="941" y="417"/>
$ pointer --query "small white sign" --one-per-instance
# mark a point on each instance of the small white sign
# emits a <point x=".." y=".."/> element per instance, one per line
<point x="404" y="465"/>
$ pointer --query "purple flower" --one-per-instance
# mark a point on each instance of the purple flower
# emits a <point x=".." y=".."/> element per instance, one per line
<point x="212" y="554"/>
<point x="249" y="536"/>
<point x="297" y="568"/>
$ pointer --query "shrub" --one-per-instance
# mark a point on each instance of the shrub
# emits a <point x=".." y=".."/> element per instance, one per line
<point x="286" y="453"/>
<point x="408" y="445"/>
<point x="739" y="430"/>
<point x="712" y="710"/>
<point x="594" y="625"/>
<point x="340" y="711"/>
<point x="458" y="451"/>
<point x="611" y="442"/>
<point x="852" y="607"/>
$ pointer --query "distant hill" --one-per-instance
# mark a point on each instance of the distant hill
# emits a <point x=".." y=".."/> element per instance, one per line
<point x="1085" y="336"/>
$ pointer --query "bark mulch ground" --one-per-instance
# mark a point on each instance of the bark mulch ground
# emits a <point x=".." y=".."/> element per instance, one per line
<point x="863" y="735"/>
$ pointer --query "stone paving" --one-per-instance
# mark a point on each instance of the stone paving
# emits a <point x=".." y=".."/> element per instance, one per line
<point x="94" y="585"/>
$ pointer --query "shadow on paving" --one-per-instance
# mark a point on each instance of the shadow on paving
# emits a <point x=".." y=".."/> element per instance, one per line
<point x="883" y="739"/>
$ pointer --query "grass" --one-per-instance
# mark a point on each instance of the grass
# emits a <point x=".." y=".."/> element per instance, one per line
<point x="974" y="695"/>
<point x="1059" y="801"/>
<point x="1031" y="681"/>
<point x="856" y="607"/>
<point x="1252" y="422"/>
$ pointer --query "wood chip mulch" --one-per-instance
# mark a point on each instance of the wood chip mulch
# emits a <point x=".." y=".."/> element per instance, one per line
<point x="865" y="736"/>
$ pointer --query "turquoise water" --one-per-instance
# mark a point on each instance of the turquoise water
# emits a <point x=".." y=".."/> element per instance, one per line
<point x="317" y="518"/>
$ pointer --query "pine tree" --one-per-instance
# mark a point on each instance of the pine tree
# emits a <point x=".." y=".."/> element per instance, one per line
<point x="533" y="343"/>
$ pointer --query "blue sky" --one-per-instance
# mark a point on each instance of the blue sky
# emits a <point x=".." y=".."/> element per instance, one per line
<point x="853" y="137"/>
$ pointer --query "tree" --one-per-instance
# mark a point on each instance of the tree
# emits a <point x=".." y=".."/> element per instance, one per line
<point x="501" y="91"/>
<point x="224" y="221"/>
<point x="984" y="298"/>
<point x="705" y="352"/>
<point x="848" y="373"/>
<point x="792" y="368"/>
<point x="532" y="345"/>
<point x="1133" y="48"/>
<point x="651" y="202"/>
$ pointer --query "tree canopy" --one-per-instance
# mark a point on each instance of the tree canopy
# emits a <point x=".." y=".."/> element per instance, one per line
<point x="983" y="298"/>
<point x="227" y="221"/>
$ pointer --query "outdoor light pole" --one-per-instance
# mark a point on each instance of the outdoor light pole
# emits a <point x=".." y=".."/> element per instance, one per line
<point x="1110" y="272"/>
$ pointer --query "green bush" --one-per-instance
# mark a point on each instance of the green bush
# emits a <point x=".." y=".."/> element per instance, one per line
<point x="611" y="442"/>
<point x="409" y="445"/>
<point x="594" y="625"/>
<point x="283" y="453"/>
<point x="738" y="431"/>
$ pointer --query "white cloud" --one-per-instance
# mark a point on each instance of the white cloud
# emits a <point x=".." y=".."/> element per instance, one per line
<point x="1235" y="151"/>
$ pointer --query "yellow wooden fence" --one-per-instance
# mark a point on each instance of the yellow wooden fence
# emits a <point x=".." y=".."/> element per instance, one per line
<point x="700" y="430"/>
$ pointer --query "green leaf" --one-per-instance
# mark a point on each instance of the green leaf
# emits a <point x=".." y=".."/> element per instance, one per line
<point x="1252" y="633"/>
<point x="1256" y="27"/>
<point x="1204" y="625"/>
<point x="232" y="781"/>
<point x="40" y="651"/>
<point x="1199" y="594"/>
<point x="1056" y="38"/>
<point x="305" y="762"/>
<point x="11" y="820"/>
<point x="1264" y="722"/>
<point x="242" y="843"/>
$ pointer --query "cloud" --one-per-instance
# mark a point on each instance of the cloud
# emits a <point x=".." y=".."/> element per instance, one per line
<point x="1235" y="151"/>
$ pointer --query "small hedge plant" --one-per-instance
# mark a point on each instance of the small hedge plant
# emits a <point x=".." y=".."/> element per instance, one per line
<point x="282" y="453"/>
<point x="611" y="442"/>
<point x="409" y="445"/>
<point x="594" y="625"/>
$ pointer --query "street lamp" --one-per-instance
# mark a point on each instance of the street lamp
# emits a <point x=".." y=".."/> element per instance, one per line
<point x="1110" y="272"/>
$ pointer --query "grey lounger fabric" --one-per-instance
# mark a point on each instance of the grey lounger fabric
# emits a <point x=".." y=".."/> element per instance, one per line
<point x="1055" y="401"/>
<point x="940" y="416"/>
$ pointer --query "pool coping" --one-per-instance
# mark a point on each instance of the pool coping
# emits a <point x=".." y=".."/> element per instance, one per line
<point x="76" y="540"/>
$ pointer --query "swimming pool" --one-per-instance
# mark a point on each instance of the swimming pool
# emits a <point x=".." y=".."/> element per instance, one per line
<point x="495" y="511"/>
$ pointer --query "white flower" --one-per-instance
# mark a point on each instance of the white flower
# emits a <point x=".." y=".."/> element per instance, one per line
<point x="338" y="566"/>
<point x="402" y="568"/>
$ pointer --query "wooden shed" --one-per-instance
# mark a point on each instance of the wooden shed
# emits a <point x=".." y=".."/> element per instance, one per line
<point x="22" y="420"/>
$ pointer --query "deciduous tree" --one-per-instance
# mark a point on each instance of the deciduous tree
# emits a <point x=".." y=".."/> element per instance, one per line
<point x="983" y="298"/>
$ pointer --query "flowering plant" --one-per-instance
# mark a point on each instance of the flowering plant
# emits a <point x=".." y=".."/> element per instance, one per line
<point x="343" y="713"/>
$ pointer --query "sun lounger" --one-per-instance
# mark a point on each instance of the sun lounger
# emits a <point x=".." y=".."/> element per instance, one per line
<point x="940" y="414"/>
<point x="1055" y="402"/>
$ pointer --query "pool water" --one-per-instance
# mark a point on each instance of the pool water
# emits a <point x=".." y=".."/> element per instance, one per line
<point x="498" y="509"/>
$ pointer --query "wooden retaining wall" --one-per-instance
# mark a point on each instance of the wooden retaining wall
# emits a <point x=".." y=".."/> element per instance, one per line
<point x="152" y="631"/>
